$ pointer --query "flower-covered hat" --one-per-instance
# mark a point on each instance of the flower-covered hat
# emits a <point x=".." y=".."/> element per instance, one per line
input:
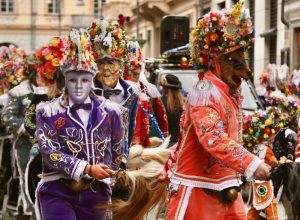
<point x="217" y="33"/>
<point x="108" y="40"/>
<point x="133" y="59"/>
<point x="11" y="53"/>
<point x="11" y="74"/>
<point x="261" y="126"/>
<point x="50" y="58"/>
<point x="79" y="55"/>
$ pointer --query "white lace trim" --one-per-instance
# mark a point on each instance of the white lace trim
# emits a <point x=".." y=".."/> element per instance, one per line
<point x="255" y="163"/>
<point x="185" y="203"/>
<point x="206" y="185"/>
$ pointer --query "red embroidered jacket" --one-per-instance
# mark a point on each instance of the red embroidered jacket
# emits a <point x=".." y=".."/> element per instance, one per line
<point x="209" y="153"/>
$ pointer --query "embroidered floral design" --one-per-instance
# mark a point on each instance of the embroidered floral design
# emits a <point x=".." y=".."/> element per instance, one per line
<point x="55" y="157"/>
<point x="60" y="122"/>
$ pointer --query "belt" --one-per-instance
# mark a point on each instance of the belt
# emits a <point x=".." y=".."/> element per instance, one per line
<point x="82" y="185"/>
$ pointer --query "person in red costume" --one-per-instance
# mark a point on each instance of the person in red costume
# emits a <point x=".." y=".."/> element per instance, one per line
<point x="151" y="110"/>
<point x="205" y="177"/>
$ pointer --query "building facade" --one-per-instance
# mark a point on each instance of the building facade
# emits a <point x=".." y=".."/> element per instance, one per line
<point x="277" y="36"/>
<point x="31" y="23"/>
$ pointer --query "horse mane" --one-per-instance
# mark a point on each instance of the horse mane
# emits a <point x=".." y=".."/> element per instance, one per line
<point x="288" y="175"/>
<point x="137" y="192"/>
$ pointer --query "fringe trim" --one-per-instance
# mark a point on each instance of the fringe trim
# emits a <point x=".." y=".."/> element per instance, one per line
<point x="21" y="89"/>
<point x="135" y="87"/>
<point x="202" y="93"/>
<point x="152" y="91"/>
<point x="112" y="106"/>
<point x="4" y="100"/>
<point x="143" y="97"/>
<point x="50" y="108"/>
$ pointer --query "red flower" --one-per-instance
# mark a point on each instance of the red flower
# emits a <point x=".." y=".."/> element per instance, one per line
<point x="92" y="32"/>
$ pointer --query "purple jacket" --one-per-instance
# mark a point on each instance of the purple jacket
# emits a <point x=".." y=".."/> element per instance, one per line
<point x="67" y="146"/>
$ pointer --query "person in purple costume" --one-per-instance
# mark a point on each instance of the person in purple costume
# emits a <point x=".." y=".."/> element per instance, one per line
<point x="81" y="140"/>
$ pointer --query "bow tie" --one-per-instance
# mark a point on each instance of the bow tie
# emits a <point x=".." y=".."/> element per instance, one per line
<point x="85" y="106"/>
<point x="109" y="92"/>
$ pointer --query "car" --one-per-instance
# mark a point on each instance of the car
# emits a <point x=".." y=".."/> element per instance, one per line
<point x="188" y="78"/>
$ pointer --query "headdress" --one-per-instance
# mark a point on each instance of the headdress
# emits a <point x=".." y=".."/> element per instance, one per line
<point x="217" y="33"/>
<point x="133" y="58"/>
<point x="108" y="40"/>
<point x="261" y="126"/>
<point x="50" y="58"/>
<point x="11" y="53"/>
<point x="79" y="55"/>
<point x="11" y="74"/>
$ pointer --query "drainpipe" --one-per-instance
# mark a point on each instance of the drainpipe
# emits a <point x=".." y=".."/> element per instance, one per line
<point x="137" y="19"/>
<point x="201" y="4"/>
<point x="59" y="18"/>
<point x="33" y="26"/>
<point x="282" y="14"/>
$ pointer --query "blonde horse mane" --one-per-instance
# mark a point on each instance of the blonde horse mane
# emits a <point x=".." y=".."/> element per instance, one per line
<point x="136" y="192"/>
<point x="139" y="156"/>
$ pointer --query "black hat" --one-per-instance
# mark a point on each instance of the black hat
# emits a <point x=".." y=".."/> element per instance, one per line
<point x="170" y="81"/>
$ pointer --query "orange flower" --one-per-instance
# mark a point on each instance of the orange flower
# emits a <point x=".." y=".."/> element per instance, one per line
<point x="54" y="41"/>
<point x="194" y="32"/>
<point x="49" y="56"/>
<point x="10" y="78"/>
<point x="206" y="39"/>
<point x="213" y="37"/>
<point x="55" y="62"/>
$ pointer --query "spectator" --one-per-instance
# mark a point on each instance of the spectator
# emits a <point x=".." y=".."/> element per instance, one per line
<point x="174" y="103"/>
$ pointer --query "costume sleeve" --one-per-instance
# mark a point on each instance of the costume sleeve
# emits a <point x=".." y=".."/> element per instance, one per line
<point x="160" y="115"/>
<point x="270" y="158"/>
<point x="51" y="150"/>
<point x="12" y="114"/>
<point x="117" y="140"/>
<point x="212" y="136"/>
<point x="30" y="114"/>
<point x="30" y="120"/>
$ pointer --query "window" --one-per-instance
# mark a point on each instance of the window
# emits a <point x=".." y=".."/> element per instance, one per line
<point x="53" y="7"/>
<point x="80" y="2"/>
<point x="7" y="6"/>
<point x="273" y="38"/>
<point x="221" y="5"/>
<point x="251" y="50"/>
<point x="98" y="7"/>
<point x="206" y="10"/>
<point x="297" y="49"/>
